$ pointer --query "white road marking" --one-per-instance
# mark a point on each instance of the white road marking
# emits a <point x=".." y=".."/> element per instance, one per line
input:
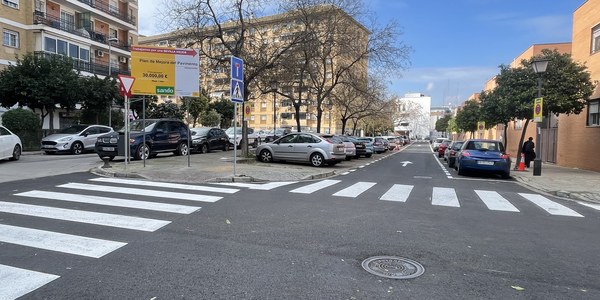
<point x="258" y="186"/>
<point x="179" y="186"/>
<point x="141" y="192"/>
<point x="59" y="242"/>
<point x="592" y="205"/>
<point x="311" y="188"/>
<point x="494" y="201"/>
<point x="355" y="189"/>
<point x="120" y="221"/>
<point x="118" y="202"/>
<point x="398" y="192"/>
<point x="345" y="173"/>
<point x="551" y="207"/>
<point x="15" y="282"/>
<point x="444" y="197"/>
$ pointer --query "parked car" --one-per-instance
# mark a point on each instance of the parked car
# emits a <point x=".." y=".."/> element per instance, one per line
<point x="485" y="156"/>
<point x="162" y="135"/>
<point x="279" y="132"/>
<point x="451" y="151"/>
<point x="348" y="145"/>
<point x="253" y="139"/>
<point x="368" y="145"/>
<point x="393" y="143"/>
<point x="75" y="139"/>
<point x="361" y="149"/>
<point x="442" y="147"/>
<point x="379" y="145"/>
<point x="10" y="145"/>
<point x="436" y="143"/>
<point x="205" y="139"/>
<point x="302" y="147"/>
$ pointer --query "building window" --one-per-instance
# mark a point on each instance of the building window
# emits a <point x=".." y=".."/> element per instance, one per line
<point x="50" y="45"/>
<point x="252" y="118"/>
<point x="67" y="21"/>
<point x="594" y="113"/>
<point x="263" y="104"/>
<point x="263" y="117"/>
<point x="596" y="39"/>
<point x="11" y="3"/>
<point x="74" y="51"/>
<point x="11" y="38"/>
<point x="84" y="54"/>
<point x="62" y="47"/>
<point x="113" y="33"/>
<point x="113" y="7"/>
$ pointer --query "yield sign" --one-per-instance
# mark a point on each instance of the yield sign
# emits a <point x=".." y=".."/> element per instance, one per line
<point x="126" y="82"/>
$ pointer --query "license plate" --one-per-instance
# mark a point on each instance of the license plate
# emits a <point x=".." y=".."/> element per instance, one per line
<point x="108" y="148"/>
<point x="485" y="162"/>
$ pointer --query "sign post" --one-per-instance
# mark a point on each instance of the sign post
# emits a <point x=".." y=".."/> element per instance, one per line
<point x="125" y="84"/>
<point x="236" y="90"/>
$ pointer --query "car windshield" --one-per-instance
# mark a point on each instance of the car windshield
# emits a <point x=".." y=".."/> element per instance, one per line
<point x="138" y="125"/>
<point x="73" y="129"/>
<point x="200" y="131"/>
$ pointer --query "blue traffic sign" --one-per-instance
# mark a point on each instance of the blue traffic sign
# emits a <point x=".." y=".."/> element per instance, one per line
<point x="237" y="68"/>
<point x="237" y="91"/>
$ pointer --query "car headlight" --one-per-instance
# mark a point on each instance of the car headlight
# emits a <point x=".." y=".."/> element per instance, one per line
<point x="65" y="139"/>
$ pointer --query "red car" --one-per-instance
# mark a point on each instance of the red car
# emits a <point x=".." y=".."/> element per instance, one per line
<point x="442" y="148"/>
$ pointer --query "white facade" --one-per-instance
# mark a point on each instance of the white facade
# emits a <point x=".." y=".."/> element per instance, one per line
<point x="413" y="115"/>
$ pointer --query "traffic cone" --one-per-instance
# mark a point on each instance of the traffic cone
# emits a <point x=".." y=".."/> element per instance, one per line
<point x="522" y="163"/>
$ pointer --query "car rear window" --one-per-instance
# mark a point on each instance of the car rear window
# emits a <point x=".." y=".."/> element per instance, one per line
<point x="485" y="146"/>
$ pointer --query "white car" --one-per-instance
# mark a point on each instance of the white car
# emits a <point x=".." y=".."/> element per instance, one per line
<point x="10" y="145"/>
<point x="75" y="139"/>
<point x="253" y="139"/>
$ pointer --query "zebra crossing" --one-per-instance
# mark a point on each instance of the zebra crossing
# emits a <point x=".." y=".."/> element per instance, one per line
<point x="440" y="196"/>
<point x="115" y="193"/>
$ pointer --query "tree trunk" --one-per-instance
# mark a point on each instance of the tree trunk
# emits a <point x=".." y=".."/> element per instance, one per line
<point x="319" y="115"/>
<point x="520" y="145"/>
<point x="50" y="119"/>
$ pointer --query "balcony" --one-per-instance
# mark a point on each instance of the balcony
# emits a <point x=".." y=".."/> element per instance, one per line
<point x="90" y="67"/>
<point x="111" y="10"/>
<point x="54" y="22"/>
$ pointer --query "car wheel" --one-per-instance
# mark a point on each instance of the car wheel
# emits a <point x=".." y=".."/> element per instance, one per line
<point x="317" y="160"/>
<point x="505" y="175"/>
<point x="16" y="154"/>
<point x="183" y="149"/>
<point x="77" y="148"/>
<point x="266" y="156"/>
<point x="142" y="152"/>
<point x="368" y="155"/>
<point x="204" y="148"/>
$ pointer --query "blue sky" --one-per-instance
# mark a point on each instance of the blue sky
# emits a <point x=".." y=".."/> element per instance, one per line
<point x="457" y="44"/>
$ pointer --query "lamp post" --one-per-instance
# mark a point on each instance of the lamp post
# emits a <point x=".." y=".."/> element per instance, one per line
<point x="110" y="40"/>
<point x="539" y="67"/>
<point x="329" y="107"/>
<point x="274" y="86"/>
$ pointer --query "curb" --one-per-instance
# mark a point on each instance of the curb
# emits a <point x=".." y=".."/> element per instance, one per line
<point x="102" y="172"/>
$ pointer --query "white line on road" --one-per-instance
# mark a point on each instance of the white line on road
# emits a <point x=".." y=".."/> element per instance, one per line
<point x="120" y="221"/>
<point x="140" y="192"/>
<point x="551" y="207"/>
<point x="592" y="205"/>
<point x="179" y="186"/>
<point x="59" y="242"/>
<point x="311" y="188"/>
<point x="15" y="282"/>
<point x="355" y="189"/>
<point x="118" y="202"/>
<point x="258" y="186"/>
<point x="494" y="201"/>
<point x="444" y="197"/>
<point x="398" y="192"/>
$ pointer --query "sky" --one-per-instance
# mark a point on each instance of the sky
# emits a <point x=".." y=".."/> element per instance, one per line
<point x="457" y="45"/>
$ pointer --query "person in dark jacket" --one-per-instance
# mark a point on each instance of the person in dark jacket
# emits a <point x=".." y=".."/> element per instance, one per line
<point x="529" y="151"/>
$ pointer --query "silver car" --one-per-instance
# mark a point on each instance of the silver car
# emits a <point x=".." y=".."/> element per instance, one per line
<point x="75" y="139"/>
<point x="302" y="147"/>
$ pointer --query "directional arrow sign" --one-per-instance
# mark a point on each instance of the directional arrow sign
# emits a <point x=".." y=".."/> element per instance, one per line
<point x="406" y="162"/>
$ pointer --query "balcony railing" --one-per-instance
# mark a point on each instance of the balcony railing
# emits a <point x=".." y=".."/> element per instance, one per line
<point x="90" y="67"/>
<point x="54" y="22"/>
<point x="111" y="10"/>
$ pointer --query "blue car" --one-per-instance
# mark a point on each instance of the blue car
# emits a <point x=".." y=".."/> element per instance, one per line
<point x="483" y="156"/>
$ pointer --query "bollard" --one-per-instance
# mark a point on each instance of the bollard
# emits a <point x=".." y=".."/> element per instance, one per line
<point x="106" y="161"/>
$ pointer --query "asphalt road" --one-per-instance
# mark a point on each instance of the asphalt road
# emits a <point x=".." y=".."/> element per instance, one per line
<point x="307" y="240"/>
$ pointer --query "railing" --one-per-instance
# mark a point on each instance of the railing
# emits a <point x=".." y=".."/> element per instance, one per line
<point x="54" y="22"/>
<point x="90" y="67"/>
<point x="111" y="10"/>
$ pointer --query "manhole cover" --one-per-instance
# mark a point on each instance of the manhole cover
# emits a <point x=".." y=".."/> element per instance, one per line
<point x="393" y="267"/>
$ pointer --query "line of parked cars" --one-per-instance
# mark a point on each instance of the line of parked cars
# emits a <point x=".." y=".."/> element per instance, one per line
<point x="474" y="156"/>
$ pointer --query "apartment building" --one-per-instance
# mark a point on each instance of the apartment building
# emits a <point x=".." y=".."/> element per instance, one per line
<point x="273" y="105"/>
<point x="95" y="33"/>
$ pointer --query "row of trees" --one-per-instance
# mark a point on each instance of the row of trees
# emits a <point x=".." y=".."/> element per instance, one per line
<point x="567" y="87"/>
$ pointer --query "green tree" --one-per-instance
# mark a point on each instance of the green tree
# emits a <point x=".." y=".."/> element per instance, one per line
<point x="136" y="104"/>
<point x="441" y="125"/>
<point x="164" y="110"/>
<point x="468" y="116"/>
<point x="225" y="108"/>
<point x="25" y="124"/>
<point x="98" y="95"/>
<point x="196" y="106"/>
<point x="40" y="83"/>
<point x="452" y="125"/>
<point x="210" y="118"/>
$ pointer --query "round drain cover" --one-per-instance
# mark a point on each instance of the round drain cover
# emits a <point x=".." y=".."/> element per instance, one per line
<point x="393" y="267"/>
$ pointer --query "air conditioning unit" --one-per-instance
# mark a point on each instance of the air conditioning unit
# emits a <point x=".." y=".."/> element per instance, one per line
<point x="99" y="53"/>
<point x="123" y="59"/>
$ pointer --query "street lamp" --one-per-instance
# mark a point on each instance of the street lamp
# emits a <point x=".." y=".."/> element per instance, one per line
<point x="274" y="86"/>
<point x="539" y="67"/>
<point x="329" y="107"/>
<point x="110" y="40"/>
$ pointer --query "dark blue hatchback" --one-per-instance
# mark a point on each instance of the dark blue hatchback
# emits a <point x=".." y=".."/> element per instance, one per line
<point x="483" y="156"/>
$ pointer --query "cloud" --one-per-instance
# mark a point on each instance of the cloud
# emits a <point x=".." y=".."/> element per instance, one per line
<point x="430" y="86"/>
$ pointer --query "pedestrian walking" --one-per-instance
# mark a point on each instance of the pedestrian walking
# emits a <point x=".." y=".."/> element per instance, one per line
<point x="529" y="151"/>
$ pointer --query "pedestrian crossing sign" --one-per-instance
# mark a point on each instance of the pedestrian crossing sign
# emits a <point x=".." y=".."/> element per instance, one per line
<point x="237" y="91"/>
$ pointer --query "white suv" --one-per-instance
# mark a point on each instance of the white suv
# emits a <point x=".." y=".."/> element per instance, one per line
<point x="253" y="139"/>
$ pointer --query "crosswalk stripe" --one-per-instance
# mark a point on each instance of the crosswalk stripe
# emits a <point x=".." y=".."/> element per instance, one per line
<point x="398" y="192"/>
<point x="551" y="207"/>
<point x="592" y="205"/>
<point x="444" y="197"/>
<point x="95" y="218"/>
<point x="16" y="282"/>
<point x="258" y="186"/>
<point x="59" y="242"/>
<point x="140" y="192"/>
<point x="179" y="186"/>
<point x="311" y="188"/>
<point x="494" y="201"/>
<point x="118" y="202"/>
<point x="355" y="189"/>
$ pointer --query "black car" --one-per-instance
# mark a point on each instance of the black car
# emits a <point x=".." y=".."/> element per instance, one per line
<point x="162" y="135"/>
<point x="361" y="148"/>
<point x="205" y="139"/>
